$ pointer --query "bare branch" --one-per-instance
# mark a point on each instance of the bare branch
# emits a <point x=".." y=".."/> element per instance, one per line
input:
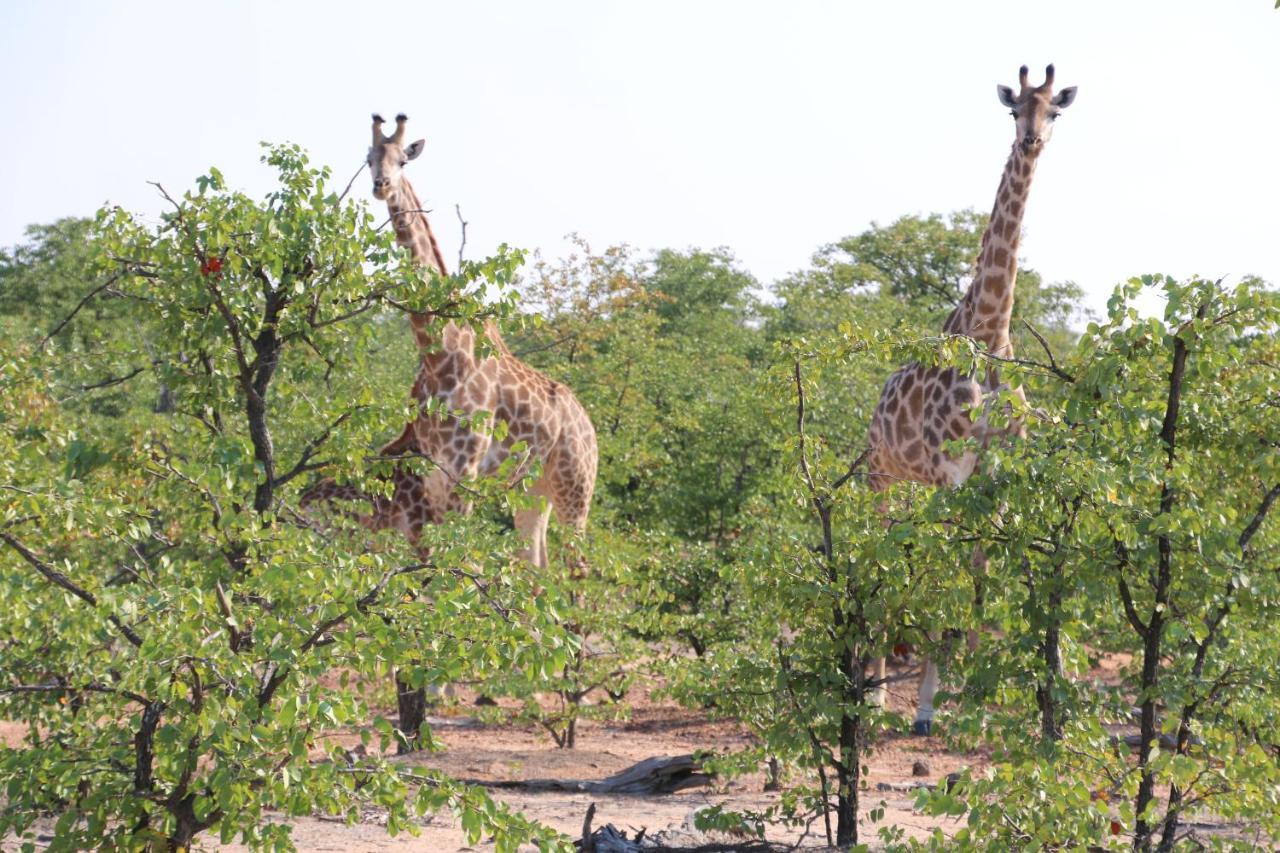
<point x="401" y="213"/>
<point x="351" y="182"/>
<point x="1026" y="362"/>
<point x="458" y="209"/>
<point x="1053" y="362"/>
<point x="552" y="345"/>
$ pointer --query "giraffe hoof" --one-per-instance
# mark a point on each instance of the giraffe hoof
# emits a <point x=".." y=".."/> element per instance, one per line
<point x="922" y="728"/>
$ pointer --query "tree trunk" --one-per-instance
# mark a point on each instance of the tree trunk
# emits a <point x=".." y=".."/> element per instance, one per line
<point x="412" y="703"/>
<point x="1050" y="718"/>
<point x="850" y="769"/>
<point x="850" y="780"/>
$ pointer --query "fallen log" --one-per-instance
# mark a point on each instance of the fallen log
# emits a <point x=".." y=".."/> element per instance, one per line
<point x="658" y="775"/>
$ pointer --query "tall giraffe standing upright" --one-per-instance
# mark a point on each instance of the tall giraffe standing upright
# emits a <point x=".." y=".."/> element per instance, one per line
<point x="540" y="412"/>
<point x="922" y="407"/>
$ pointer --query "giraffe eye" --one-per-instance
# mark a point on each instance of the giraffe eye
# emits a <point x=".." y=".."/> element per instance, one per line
<point x="403" y="163"/>
<point x="1013" y="113"/>
<point x="1053" y="115"/>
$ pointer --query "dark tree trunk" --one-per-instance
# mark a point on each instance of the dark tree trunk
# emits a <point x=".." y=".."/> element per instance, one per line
<point x="1151" y="647"/>
<point x="1051" y="653"/>
<point x="1050" y="717"/>
<point x="850" y="773"/>
<point x="412" y="704"/>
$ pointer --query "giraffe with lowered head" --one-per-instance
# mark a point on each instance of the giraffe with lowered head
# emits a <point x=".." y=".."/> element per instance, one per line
<point x="922" y="407"/>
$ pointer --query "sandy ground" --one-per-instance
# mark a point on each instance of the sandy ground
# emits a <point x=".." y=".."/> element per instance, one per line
<point x="484" y="753"/>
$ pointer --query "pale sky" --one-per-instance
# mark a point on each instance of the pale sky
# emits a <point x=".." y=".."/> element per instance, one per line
<point x="767" y="127"/>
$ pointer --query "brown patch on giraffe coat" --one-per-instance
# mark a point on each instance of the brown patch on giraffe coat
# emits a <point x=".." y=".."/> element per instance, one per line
<point x="915" y="402"/>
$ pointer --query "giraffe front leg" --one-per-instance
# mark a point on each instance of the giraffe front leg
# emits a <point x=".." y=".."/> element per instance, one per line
<point x="531" y="526"/>
<point x="880" y="693"/>
<point x="923" y="724"/>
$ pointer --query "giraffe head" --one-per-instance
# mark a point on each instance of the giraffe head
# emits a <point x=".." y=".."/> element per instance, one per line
<point x="1035" y="108"/>
<point x="388" y="156"/>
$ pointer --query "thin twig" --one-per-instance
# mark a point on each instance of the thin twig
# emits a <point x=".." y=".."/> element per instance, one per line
<point x="552" y="345"/>
<point x="401" y="213"/>
<point x="1053" y="362"/>
<point x="114" y="380"/>
<point x="76" y="310"/>
<point x="458" y="209"/>
<point x="304" y="461"/>
<point x="351" y="182"/>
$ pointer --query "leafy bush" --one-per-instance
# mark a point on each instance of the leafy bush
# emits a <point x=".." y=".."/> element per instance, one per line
<point x="173" y="621"/>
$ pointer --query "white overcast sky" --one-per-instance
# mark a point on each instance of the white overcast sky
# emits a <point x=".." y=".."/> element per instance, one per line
<point x="767" y="127"/>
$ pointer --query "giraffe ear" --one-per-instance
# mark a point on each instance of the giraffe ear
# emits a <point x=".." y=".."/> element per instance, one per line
<point x="1065" y="98"/>
<point x="1006" y="96"/>
<point x="414" y="149"/>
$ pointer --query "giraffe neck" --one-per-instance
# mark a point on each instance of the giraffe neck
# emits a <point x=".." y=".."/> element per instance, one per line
<point x="985" y="310"/>
<point x="413" y="229"/>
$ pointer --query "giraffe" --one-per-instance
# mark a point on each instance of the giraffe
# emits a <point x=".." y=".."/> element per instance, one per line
<point x="544" y="414"/>
<point x="922" y="407"/>
<point x="540" y="412"/>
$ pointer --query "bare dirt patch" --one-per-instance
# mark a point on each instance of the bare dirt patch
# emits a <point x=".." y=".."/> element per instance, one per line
<point x="507" y="753"/>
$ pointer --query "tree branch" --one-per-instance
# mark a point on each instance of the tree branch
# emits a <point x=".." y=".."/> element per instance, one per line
<point x="74" y="311"/>
<point x="1053" y="362"/>
<point x="1258" y="517"/>
<point x="278" y="675"/>
<point x="115" y="380"/>
<point x="91" y="687"/>
<point x="59" y="579"/>
<point x="312" y="446"/>
<point x="458" y="209"/>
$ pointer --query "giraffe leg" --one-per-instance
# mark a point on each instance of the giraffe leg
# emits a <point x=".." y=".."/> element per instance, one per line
<point x="924" y="708"/>
<point x="879" y="693"/>
<point x="531" y="525"/>
<point x="543" y="559"/>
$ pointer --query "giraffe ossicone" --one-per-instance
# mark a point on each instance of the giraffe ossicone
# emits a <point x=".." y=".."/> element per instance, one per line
<point x="923" y="407"/>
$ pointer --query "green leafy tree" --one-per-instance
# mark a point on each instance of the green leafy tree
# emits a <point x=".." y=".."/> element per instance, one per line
<point x="1140" y="521"/>
<point x="172" y="614"/>
<point x="925" y="262"/>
